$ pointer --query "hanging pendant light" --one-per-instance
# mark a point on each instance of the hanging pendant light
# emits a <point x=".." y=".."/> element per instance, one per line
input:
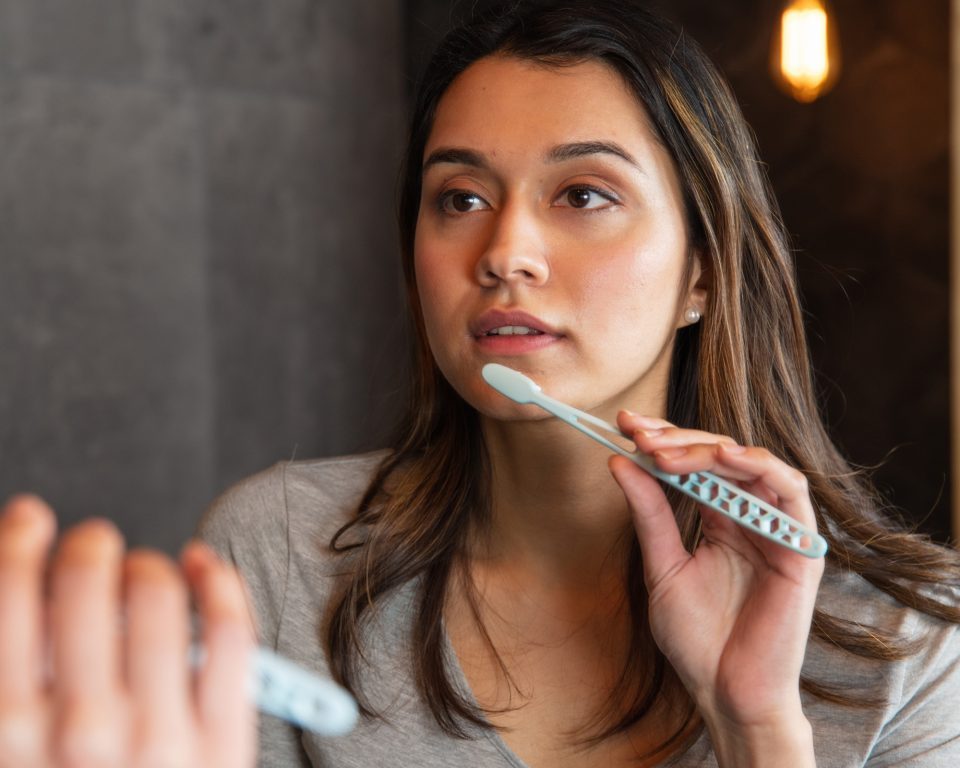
<point x="805" y="54"/>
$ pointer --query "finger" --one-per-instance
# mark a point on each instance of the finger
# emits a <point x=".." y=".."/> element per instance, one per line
<point x="157" y="671"/>
<point x="758" y="489"/>
<point x="660" y="543"/>
<point x="759" y="472"/>
<point x="27" y="528"/>
<point x="629" y="421"/>
<point x="756" y="467"/>
<point x="699" y="457"/>
<point x="85" y="586"/>
<point x="84" y="615"/>
<point x="653" y="440"/>
<point x="790" y="485"/>
<point x="223" y="701"/>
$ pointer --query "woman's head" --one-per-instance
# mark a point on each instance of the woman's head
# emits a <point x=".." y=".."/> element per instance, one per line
<point x="731" y="220"/>
<point x="552" y="237"/>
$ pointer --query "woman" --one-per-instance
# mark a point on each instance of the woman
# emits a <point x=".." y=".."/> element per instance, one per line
<point x="582" y="202"/>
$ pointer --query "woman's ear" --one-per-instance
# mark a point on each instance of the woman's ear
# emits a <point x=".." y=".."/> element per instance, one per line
<point x="698" y="289"/>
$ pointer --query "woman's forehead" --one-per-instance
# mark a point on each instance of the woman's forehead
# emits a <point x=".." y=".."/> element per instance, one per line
<point x="502" y="101"/>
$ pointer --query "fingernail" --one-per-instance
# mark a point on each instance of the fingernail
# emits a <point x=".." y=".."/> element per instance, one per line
<point x="671" y="453"/>
<point x="652" y="432"/>
<point x="731" y="448"/>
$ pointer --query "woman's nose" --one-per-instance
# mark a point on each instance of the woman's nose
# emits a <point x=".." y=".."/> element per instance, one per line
<point x="516" y="253"/>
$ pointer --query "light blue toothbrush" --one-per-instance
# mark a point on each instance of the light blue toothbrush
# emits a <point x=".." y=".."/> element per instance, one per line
<point x="281" y="688"/>
<point x="708" y="489"/>
<point x="285" y="690"/>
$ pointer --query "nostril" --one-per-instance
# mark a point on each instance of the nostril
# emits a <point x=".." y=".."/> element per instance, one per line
<point x="511" y="266"/>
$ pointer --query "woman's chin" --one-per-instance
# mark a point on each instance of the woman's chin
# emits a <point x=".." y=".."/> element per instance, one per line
<point x="493" y="405"/>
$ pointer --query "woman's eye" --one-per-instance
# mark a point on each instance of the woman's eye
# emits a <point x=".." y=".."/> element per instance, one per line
<point x="585" y="198"/>
<point x="461" y="202"/>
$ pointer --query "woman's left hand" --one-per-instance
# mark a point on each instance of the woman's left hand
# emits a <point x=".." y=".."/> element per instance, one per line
<point x="733" y="616"/>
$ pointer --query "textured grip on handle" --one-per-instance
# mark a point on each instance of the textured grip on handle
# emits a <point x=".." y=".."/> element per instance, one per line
<point x="749" y="511"/>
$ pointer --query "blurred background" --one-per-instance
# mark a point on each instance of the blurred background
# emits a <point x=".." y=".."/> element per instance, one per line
<point x="198" y="268"/>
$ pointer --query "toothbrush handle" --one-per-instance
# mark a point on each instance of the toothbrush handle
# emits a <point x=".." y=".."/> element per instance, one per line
<point x="286" y="690"/>
<point x="725" y="497"/>
<point x="747" y="510"/>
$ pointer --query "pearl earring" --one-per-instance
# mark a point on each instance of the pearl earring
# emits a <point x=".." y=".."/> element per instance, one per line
<point x="691" y="315"/>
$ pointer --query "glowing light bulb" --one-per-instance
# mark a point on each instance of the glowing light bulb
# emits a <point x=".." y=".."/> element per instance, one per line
<point x="807" y="50"/>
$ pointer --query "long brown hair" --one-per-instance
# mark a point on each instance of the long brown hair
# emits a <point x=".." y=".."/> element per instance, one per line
<point x="743" y="371"/>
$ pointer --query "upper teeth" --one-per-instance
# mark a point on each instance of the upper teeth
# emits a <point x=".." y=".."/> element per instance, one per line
<point x="512" y="330"/>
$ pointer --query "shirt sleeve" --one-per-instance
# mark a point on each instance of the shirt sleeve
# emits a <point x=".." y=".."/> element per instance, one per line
<point x="248" y="526"/>
<point x="923" y="724"/>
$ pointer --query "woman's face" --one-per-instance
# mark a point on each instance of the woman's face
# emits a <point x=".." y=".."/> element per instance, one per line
<point x="551" y="238"/>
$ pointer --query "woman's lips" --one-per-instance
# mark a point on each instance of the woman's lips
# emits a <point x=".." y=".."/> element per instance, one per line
<point x="512" y="332"/>
<point x="515" y="344"/>
<point x="494" y="319"/>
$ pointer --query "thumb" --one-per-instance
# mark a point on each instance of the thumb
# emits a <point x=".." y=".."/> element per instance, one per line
<point x="660" y="543"/>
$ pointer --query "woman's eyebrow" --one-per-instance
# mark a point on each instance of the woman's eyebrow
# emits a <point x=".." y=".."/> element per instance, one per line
<point x="576" y="149"/>
<point x="457" y="156"/>
<point x="559" y="153"/>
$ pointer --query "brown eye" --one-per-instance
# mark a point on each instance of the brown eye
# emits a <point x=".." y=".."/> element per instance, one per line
<point x="464" y="201"/>
<point x="461" y="202"/>
<point x="586" y="198"/>
<point x="579" y="197"/>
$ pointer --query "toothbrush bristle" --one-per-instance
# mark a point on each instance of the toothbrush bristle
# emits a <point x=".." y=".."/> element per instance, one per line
<point x="509" y="382"/>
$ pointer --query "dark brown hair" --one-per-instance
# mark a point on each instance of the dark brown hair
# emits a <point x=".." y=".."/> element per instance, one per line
<point x="743" y="371"/>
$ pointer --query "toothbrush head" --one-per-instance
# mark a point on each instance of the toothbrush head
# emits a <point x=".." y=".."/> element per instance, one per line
<point x="509" y="382"/>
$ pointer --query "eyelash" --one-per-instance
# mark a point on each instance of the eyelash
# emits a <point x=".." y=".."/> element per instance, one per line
<point x="608" y="196"/>
<point x="450" y="194"/>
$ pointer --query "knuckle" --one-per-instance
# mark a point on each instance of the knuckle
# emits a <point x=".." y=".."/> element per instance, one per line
<point x="22" y="735"/>
<point x="95" y="535"/>
<point x="762" y="455"/>
<point x="153" y="572"/>
<point x="88" y="737"/>
<point x="798" y="482"/>
<point x="164" y="750"/>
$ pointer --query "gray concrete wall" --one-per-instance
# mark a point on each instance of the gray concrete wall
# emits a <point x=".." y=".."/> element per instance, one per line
<point x="198" y="272"/>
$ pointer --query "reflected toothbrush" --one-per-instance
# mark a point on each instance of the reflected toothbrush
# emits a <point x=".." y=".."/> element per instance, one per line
<point x="708" y="489"/>
<point x="281" y="688"/>
<point x="285" y="690"/>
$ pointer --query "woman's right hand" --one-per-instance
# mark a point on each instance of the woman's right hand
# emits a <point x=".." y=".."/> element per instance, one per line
<point x="78" y="688"/>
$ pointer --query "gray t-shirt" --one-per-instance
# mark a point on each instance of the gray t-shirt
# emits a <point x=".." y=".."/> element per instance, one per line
<point x="276" y="527"/>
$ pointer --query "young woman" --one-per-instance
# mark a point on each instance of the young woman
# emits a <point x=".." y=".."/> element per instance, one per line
<point x="582" y="202"/>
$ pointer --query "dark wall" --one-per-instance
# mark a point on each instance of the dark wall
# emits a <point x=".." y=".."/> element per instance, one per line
<point x="198" y="272"/>
<point x="862" y="177"/>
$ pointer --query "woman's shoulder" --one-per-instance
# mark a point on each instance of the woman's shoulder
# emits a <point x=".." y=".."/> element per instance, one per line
<point x="315" y="496"/>
<point x="852" y="598"/>
<point x="284" y="514"/>
<point x="913" y="718"/>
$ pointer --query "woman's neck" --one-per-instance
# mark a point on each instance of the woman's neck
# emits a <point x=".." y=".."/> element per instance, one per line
<point x="557" y="513"/>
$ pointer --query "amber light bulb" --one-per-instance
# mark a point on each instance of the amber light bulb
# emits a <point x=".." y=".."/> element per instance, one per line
<point x="806" y="54"/>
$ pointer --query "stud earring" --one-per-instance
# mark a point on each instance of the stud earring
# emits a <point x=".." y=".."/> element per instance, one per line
<point x="691" y="315"/>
